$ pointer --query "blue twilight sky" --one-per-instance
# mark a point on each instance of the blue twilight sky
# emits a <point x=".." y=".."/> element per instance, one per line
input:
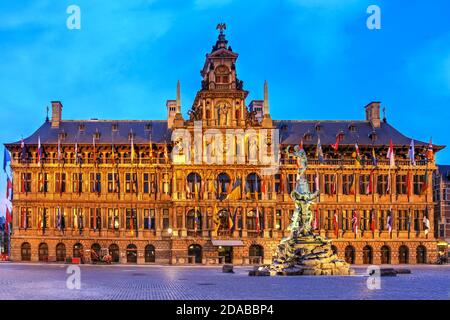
<point x="320" y="59"/>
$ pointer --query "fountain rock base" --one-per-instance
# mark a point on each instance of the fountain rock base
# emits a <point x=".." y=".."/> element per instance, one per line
<point x="306" y="255"/>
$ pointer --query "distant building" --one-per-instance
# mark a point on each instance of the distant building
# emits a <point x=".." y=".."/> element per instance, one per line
<point x="90" y="190"/>
<point x="442" y="208"/>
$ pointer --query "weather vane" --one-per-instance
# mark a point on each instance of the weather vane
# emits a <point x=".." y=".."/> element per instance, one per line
<point x="221" y="27"/>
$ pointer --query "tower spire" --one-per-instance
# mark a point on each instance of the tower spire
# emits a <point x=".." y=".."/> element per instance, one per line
<point x="178" y="97"/>
<point x="266" y="99"/>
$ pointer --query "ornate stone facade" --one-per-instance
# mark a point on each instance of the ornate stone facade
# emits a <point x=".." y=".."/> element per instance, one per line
<point x="142" y="205"/>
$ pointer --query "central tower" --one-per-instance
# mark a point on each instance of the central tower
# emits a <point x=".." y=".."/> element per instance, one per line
<point x="221" y="100"/>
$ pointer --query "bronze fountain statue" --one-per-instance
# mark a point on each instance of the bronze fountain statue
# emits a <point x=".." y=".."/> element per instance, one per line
<point x="302" y="252"/>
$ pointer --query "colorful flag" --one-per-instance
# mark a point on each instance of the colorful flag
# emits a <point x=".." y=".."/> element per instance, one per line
<point x="412" y="153"/>
<point x="335" y="146"/>
<point x="372" y="220"/>
<point x="6" y="159"/>
<point x="235" y="193"/>
<point x="216" y="219"/>
<point x="430" y="152"/>
<point x="316" y="182"/>
<point x="369" y="188"/>
<point x="374" y="158"/>
<point x="357" y="155"/>
<point x="23" y="152"/>
<point x="39" y="151"/>
<point x="352" y="184"/>
<point x="319" y="151"/>
<point x="389" y="221"/>
<point x="132" y="148"/>
<point x="301" y="144"/>
<point x="391" y="155"/>
<point x="426" y="223"/>
<point x="258" y="225"/>
<point x="58" y="218"/>
<point x="336" y="223"/>
<point x="388" y="187"/>
<point x="233" y="228"/>
<point x="355" y="222"/>
<point x="76" y="152"/>
<point x="230" y="222"/>
<point x="425" y="183"/>
<point x="408" y="184"/>
<point x="334" y="184"/>
<point x="9" y="188"/>
<point x="8" y="220"/>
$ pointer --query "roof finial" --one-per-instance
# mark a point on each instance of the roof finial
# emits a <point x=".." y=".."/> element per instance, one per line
<point x="221" y="26"/>
<point x="46" y="118"/>
<point x="384" y="114"/>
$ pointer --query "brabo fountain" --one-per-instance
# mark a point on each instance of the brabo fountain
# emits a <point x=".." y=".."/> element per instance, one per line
<point x="303" y="252"/>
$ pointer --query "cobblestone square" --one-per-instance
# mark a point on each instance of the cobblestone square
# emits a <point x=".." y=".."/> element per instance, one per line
<point x="118" y="282"/>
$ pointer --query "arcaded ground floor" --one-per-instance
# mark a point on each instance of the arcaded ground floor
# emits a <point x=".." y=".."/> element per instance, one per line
<point x="152" y="282"/>
<point x="210" y="252"/>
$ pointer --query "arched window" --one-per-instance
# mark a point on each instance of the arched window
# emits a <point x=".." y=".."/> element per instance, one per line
<point x="350" y="255"/>
<point x="256" y="254"/>
<point x="385" y="255"/>
<point x="131" y="253"/>
<point x="95" y="252"/>
<point x="237" y="114"/>
<point x="224" y="184"/>
<point x="60" y="252"/>
<point x="43" y="252"/>
<point x="149" y="253"/>
<point x="421" y="255"/>
<point x="25" y="251"/>
<point x="403" y="255"/>
<point x="208" y="114"/>
<point x="254" y="222"/>
<point x="194" y="222"/>
<point x="195" y="251"/>
<point x="114" y="252"/>
<point x="367" y="255"/>
<point x="253" y="186"/>
<point x="193" y="188"/>
<point x="77" y="250"/>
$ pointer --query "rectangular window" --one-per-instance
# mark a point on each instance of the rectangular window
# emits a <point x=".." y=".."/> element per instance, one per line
<point x="364" y="181"/>
<point x="95" y="182"/>
<point x="166" y="183"/>
<point x="43" y="182"/>
<point x="401" y="184"/>
<point x="166" y="221"/>
<point x="278" y="183"/>
<point x="329" y="217"/>
<point x="43" y="218"/>
<point x="382" y="184"/>
<point x="418" y="181"/>
<point x="146" y="184"/>
<point x="418" y="220"/>
<point x="60" y="182"/>
<point x="382" y="220"/>
<point x="347" y="216"/>
<point x="291" y="181"/>
<point x="130" y="182"/>
<point x="95" y="218"/>
<point x="26" y="182"/>
<point x="149" y="219"/>
<point x="402" y="220"/>
<point x="77" y="182"/>
<point x="365" y="220"/>
<point x="25" y="218"/>
<point x="347" y="184"/>
<point x="278" y="224"/>
<point x="311" y="182"/>
<point x="113" y="219"/>
<point x="131" y="219"/>
<point x="330" y="184"/>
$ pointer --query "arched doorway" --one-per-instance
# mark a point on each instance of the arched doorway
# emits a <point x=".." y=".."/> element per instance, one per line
<point x="114" y="252"/>
<point x="421" y="255"/>
<point x="77" y="250"/>
<point x="334" y="249"/>
<point x="131" y="253"/>
<point x="95" y="252"/>
<point x="350" y="255"/>
<point x="195" y="251"/>
<point x="256" y="254"/>
<point x="385" y="255"/>
<point x="403" y="255"/>
<point x="43" y="252"/>
<point x="60" y="252"/>
<point x="25" y="251"/>
<point x="367" y="255"/>
<point x="150" y="253"/>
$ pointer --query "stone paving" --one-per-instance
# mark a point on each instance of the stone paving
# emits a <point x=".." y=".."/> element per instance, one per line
<point x="125" y="282"/>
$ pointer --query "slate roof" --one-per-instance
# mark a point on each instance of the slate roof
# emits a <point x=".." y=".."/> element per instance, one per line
<point x="291" y="132"/>
<point x="444" y="170"/>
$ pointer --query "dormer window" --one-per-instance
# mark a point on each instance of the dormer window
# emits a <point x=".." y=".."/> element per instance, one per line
<point x="352" y="128"/>
<point x="373" y="136"/>
<point x="97" y="135"/>
<point x="81" y="127"/>
<point x="62" y="136"/>
<point x="340" y="136"/>
<point x="131" y="136"/>
<point x="307" y="137"/>
<point x="148" y="127"/>
<point x="318" y="127"/>
<point x="115" y="127"/>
